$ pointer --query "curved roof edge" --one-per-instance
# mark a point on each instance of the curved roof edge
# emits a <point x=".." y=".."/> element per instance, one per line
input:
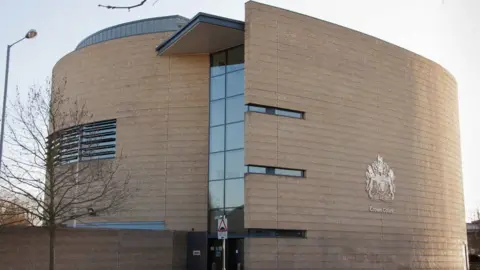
<point x="146" y="26"/>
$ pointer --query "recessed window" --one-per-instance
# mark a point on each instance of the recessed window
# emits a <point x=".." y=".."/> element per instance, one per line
<point x="275" y="171"/>
<point x="288" y="113"/>
<point x="257" y="169"/>
<point x="288" y="172"/>
<point x="252" y="108"/>
<point x="85" y="142"/>
<point x="275" y="111"/>
<point x="276" y="233"/>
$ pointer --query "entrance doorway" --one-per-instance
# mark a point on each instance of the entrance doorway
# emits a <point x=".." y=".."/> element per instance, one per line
<point x="233" y="255"/>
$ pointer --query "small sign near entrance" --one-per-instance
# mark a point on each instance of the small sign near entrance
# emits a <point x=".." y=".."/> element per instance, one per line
<point x="196" y="253"/>
<point x="222" y="229"/>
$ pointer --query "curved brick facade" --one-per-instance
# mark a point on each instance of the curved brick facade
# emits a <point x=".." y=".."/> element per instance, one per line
<point x="361" y="97"/>
<point x="161" y="107"/>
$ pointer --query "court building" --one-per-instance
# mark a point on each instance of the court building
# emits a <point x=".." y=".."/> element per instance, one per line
<point x="326" y="148"/>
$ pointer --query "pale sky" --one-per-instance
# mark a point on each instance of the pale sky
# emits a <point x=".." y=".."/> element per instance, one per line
<point x="446" y="31"/>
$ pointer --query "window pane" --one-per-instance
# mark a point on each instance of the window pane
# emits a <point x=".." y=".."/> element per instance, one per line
<point x="234" y="193"/>
<point x="288" y="113"/>
<point x="216" y="194"/>
<point x="236" y="218"/>
<point x="235" y="109"/>
<point x="217" y="139"/>
<point x="217" y="87"/>
<point x="218" y="64"/>
<point x="253" y="108"/>
<point x="235" y="83"/>
<point x="235" y="133"/>
<point x="216" y="166"/>
<point x="257" y="169"/>
<point x="288" y="172"/>
<point x="217" y="112"/>
<point x="234" y="164"/>
<point x="235" y="59"/>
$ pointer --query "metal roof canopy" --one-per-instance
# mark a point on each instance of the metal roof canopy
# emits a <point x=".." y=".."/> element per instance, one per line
<point x="205" y="33"/>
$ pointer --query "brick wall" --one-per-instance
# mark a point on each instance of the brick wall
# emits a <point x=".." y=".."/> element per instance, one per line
<point x="362" y="97"/>
<point x="27" y="249"/>
<point x="161" y="107"/>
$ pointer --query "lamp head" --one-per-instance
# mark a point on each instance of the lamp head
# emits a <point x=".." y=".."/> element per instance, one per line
<point x="31" y="34"/>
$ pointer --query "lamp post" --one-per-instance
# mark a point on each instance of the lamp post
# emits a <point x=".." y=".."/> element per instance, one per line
<point x="29" y="35"/>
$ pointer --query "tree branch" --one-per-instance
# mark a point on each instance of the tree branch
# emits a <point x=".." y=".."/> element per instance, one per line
<point x="124" y="7"/>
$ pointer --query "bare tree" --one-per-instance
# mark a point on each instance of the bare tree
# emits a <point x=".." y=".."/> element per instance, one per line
<point x="11" y="215"/>
<point x="54" y="168"/>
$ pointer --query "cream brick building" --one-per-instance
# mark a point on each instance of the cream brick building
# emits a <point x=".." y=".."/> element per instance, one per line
<point x="274" y="122"/>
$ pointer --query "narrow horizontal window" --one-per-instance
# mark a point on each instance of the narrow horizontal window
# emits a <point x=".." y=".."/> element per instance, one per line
<point x="288" y="172"/>
<point x="257" y="169"/>
<point x="275" y="111"/>
<point x="275" y="171"/>
<point x="276" y="233"/>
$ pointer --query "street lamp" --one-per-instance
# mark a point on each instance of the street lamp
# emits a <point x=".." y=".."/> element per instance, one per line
<point x="29" y="35"/>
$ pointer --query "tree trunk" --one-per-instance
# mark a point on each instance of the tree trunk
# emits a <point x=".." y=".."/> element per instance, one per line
<point x="53" y="235"/>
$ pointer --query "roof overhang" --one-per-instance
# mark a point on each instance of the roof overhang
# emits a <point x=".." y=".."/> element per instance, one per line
<point x="204" y="34"/>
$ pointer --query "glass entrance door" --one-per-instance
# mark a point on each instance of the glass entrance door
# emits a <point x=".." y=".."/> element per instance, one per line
<point x="233" y="255"/>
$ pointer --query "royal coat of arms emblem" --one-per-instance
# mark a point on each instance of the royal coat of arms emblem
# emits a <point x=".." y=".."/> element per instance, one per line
<point x="380" y="184"/>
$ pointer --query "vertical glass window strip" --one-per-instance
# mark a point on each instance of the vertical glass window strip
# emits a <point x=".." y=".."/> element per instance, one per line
<point x="227" y="111"/>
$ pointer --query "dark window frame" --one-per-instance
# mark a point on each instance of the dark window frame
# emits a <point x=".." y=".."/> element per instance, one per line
<point x="276" y="233"/>
<point x="269" y="170"/>
<point x="250" y="107"/>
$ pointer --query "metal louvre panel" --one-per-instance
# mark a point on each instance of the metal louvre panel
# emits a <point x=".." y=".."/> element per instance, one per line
<point x="85" y="142"/>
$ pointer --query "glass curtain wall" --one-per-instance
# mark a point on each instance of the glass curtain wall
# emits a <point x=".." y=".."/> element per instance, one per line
<point x="226" y="161"/>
